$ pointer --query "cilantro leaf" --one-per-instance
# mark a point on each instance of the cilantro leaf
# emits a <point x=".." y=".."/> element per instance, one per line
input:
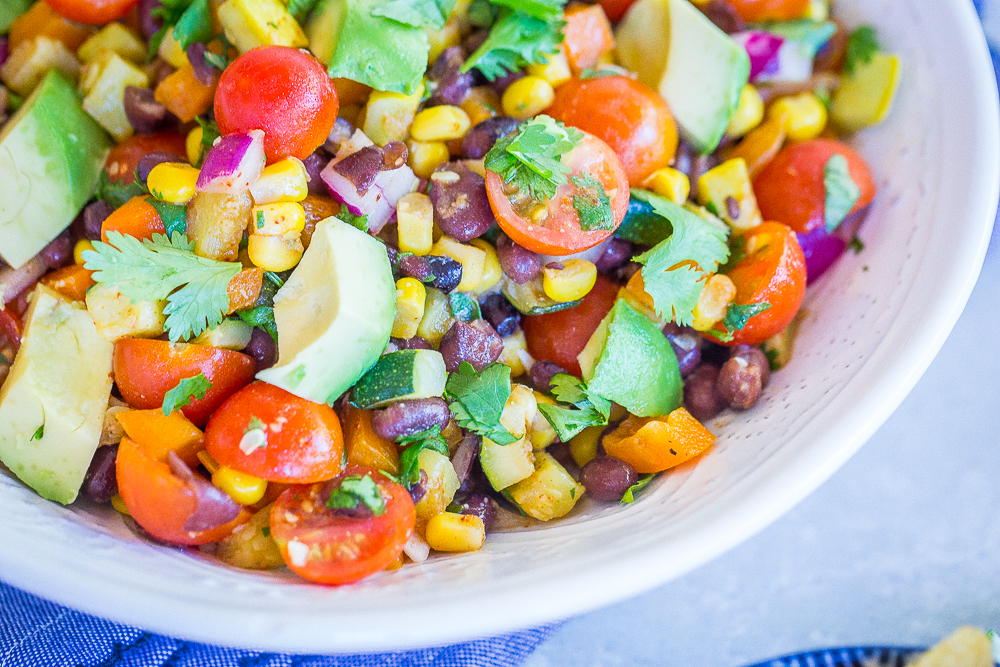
<point x="263" y="317"/>
<point x="465" y="308"/>
<point x="359" y="221"/>
<point x="409" y="472"/>
<point x="856" y="244"/>
<point x="531" y="156"/>
<point x="174" y="216"/>
<point x="841" y="191"/>
<point x="117" y="193"/>
<point x="592" y="205"/>
<point x="354" y="489"/>
<point x="194" y="25"/>
<point x="674" y="271"/>
<point x="540" y="9"/>
<point x="255" y="424"/>
<point x="861" y="46"/>
<point x="590" y="409"/>
<point x="170" y="12"/>
<point x="300" y="9"/>
<point x="516" y="40"/>
<point x="735" y="319"/>
<point x="479" y="398"/>
<point x="430" y="14"/>
<point x="39" y="432"/>
<point x="209" y="133"/>
<point x="185" y="392"/>
<point x="194" y="287"/>
<point x="629" y="496"/>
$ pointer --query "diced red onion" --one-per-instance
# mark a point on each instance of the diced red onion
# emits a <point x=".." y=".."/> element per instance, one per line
<point x="590" y="254"/>
<point x="361" y="168"/>
<point x="14" y="281"/>
<point x="793" y="63"/>
<point x="214" y="507"/>
<point x="233" y="163"/>
<point x="762" y="47"/>
<point x="4" y="50"/>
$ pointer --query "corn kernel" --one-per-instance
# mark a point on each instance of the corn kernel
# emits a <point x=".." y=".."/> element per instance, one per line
<point x="172" y="182"/>
<point x="571" y="282"/>
<point x="192" y="145"/>
<point x="440" y="123"/>
<point x="748" y="115"/>
<point x="472" y="259"/>
<point x="556" y="71"/>
<point x="492" y="271"/>
<point x="273" y="253"/>
<point x="453" y="532"/>
<point x="425" y="157"/>
<point x="415" y="223"/>
<point x="803" y="115"/>
<point x="78" y="250"/>
<point x="241" y="487"/>
<point x="670" y="184"/>
<point x="713" y="302"/>
<point x="284" y="219"/>
<point x="527" y="97"/>
<point x="726" y="191"/>
<point x="119" y="505"/>
<point x="284" y="181"/>
<point x="583" y="446"/>
<point x="411" y="297"/>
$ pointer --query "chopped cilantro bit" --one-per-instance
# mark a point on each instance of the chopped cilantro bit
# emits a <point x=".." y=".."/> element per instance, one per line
<point x="841" y="191"/>
<point x="354" y="489"/>
<point x="629" y="496"/>
<point x="862" y="45"/>
<point x="516" y="40"/>
<point x="265" y="531"/>
<point x="255" y="424"/>
<point x="589" y="409"/>
<point x="856" y="244"/>
<point x="592" y="204"/>
<point x="185" y="392"/>
<point x="359" y="221"/>
<point x="464" y="308"/>
<point x="117" y="193"/>
<point x="39" y="432"/>
<point x="531" y="156"/>
<point x="209" y="133"/>
<point x="479" y="398"/>
<point x="540" y="9"/>
<point x="409" y="472"/>
<point x="263" y="317"/>
<point x="174" y="216"/>
<point x="598" y="72"/>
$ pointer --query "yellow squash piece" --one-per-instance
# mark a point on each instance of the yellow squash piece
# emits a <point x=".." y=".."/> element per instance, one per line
<point x="865" y="97"/>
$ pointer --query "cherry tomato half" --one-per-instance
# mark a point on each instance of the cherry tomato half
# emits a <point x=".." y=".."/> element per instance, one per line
<point x="125" y="157"/>
<point x="628" y="115"/>
<point x="283" y="91"/>
<point x="790" y="188"/>
<point x="11" y="326"/>
<point x="93" y="12"/>
<point x="755" y="11"/>
<point x="332" y="546"/>
<point x="560" y="336"/>
<point x="615" y="9"/>
<point x="159" y="501"/>
<point x="304" y="441"/>
<point x="145" y="370"/>
<point x="772" y="271"/>
<point x="559" y="233"/>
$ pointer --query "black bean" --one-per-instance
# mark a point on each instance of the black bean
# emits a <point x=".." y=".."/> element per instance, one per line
<point x="474" y="40"/>
<point x="465" y="455"/>
<point x="447" y="272"/>
<point x="501" y="84"/>
<point x="148" y="22"/>
<point x="482" y="506"/>
<point x="739" y="383"/>
<point x="147" y="163"/>
<point x="617" y="252"/>
<point x="499" y="312"/>
<point x="144" y="113"/>
<point x="700" y="396"/>
<point x="204" y="71"/>
<point x="475" y="342"/>
<point x="406" y="418"/>
<point x="687" y="347"/>
<point x="542" y="372"/>
<point x="262" y="348"/>
<point x="100" y="484"/>
<point x="452" y="84"/>
<point x="520" y="264"/>
<point x="461" y="205"/>
<point x="415" y="266"/>
<point x="415" y="343"/>
<point x="480" y="139"/>
<point x="607" y="478"/>
<point x="59" y="252"/>
<point x="723" y="15"/>
<point x="314" y="164"/>
<point x="90" y="220"/>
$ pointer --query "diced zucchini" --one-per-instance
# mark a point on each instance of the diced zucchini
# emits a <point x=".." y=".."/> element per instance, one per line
<point x="437" y="318"/>
<point x="231" y="334"/>
<point x="506" y="464"/>
<point x="726" y="190"/>
<point x="31" y="61"/>
<point x="103" y="84"/>
<point x="252" y="23"/>
<point x="549" y="493"/>
<point x="113" y="38"/>
<point x="530" y="298"/>
<point x="400" y="376"/>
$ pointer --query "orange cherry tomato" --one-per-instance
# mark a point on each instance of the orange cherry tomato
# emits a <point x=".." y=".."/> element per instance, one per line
<point x="136" y="217"/>
<point x="304" y="442"/>
<point x="283" y="91"/>
<point x="628" y="115"/>
<point x="615" y="9"/>
<point x="559" y="233"/>
<point x="124" y="158"/>
<point x="332" y="546"/>
<point x="161" y="502"/>
<point x="755" y="11"/>
<point x="93" y="12"/>
<point x="145" y="370"/>
<point x="772" y="271"/>
<point x="790" y="188"/>
<point x="560" y="336"/>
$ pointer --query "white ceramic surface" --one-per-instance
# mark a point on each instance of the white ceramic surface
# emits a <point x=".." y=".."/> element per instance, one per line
<point x="875" y="322"/>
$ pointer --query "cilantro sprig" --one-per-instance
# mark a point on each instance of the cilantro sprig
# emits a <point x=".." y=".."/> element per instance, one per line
<point x="841" y="192"/>
<point x="592" y="204"/>
<point x="517" y="39"/>
<point x="862" y="45"/>
<point x="589" y="409"/>
<point x="479" y="398"/>
<point x="531" y="156"/>
<point x="430" y="439"/>
<point x="356" y="489"/>
<point x="186" y="391"/>
<point x="190" y="21"/>
<point x="194" y="287"/>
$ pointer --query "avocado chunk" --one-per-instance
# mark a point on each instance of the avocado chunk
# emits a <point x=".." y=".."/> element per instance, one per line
<point x="334" y="314"/>
<point x="698" y="69"/>
<point x="10" y="10"/>
<point x="51" y="156"/>
<point x="53" y="403"/>
<point x="628" y="360"/>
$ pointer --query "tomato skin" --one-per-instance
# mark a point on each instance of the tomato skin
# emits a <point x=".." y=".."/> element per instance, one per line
<point x="560" y="336"/>
<point x="145" y="370"/>
<point x="755" y="11"/>
<point x="790" y="188"/>
<point x="136" y="217"/>
<point x="628" y="115"/>
<point x="775" y="273"/>
<point x="560" y="233"/>
<point x="160" y="502"/>
<point x="283" y="91"/>
<point x="11" y="327"/>
<point x="92" y="12"/>
<point x="373" y="542"/>
<point x="615" y="9"/>
<point x="305" y="443"/>
<point x="124" y="157"/>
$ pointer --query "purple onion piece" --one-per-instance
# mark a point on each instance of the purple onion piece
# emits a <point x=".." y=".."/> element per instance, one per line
<point x="465" y="455"/>
<point x="59" y="252"/>
<point x="821" y="249"/>
<point x="379" y="202"/>
<point x="233" y="163"/>
<point x="204" y="71"/>
<point x="215" y="507"/>
<point x="148" y="22"/>
<point x="762" y="47"/>
<point x="4" y="49"/>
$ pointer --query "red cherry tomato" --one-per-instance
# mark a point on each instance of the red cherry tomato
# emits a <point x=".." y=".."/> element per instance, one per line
<point x="283" y="91"/>
<point x="125" y="157"/>
<point x="560" y="336"/>
<point x="790" y="188"/>
<point x="628" y="115"/>
<point x="159" y="501"/>
<point x="559" y="232"/>
<point x="615" y="9"/>
<point x="304" y="440"/>
<point x="773" y="271"/>
<point x="145" y="370"/>
<point x="11" y="326"/>
<point x="93" y="12"/>
<point x="332" y="546"/>
<point x="755" y="11"/>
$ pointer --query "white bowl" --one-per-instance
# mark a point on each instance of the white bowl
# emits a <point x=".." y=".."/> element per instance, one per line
<point x="875" y="322"/>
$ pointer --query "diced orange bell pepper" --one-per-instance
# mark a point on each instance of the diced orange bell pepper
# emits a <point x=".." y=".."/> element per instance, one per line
<point x="654" y="444"/>
<point x="136" y="217"/>
<point x="71" y="281"/>
<point x="42" y="21"/>
<point x="158" y="435"/>
<point x="244" y="288"/>
<point x="760" y="145"/>
<point x="184" y="95"/>
<point x="587" y="36"/>
<point x="364" y="446"/>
